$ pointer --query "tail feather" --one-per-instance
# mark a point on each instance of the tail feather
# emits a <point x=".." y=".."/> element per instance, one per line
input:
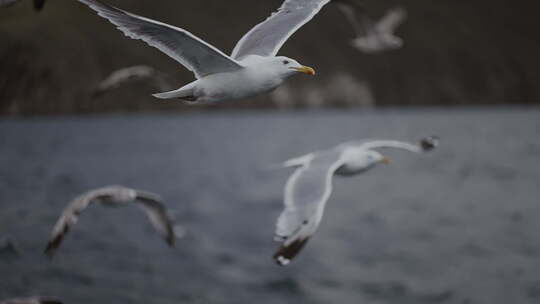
<point x="182" y="93"/>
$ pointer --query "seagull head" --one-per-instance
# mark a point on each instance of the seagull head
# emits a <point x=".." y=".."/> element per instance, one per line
<point x="288" y="67"/>
<point x="374" y="157"/>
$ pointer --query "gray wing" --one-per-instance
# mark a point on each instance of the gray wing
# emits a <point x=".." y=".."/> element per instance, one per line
<point x="425" y="144"/>
<point x="298" y="161"/>
<point x="127" y="75"/>
<point x="355" y="15"/>
<point x="196" y="55"/>
<point x="306" y="194"/>
<point x="70" y="216"/>
<point x="267" y="37"/>
<point x="393" y="18"/>
<point x="157" y="214"/>
<point x="119" y="77"/>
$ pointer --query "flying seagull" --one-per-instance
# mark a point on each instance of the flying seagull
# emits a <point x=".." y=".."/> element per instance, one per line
<point x="129" y="74"/>
<point x="112" y="195"/>
<point x="38" y="4"/>
<point x="309" y="187"/>
<point x="253" y="66"/>
<point x="32" y="300"/>
<point x="373" y="36"/>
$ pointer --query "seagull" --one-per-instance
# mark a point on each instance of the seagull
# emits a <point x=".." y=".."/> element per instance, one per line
<point x="32" y="300"/>
<point x="112" y="195"/>
<point x="129" y="74"/>
<point x="373" y="36"/>
<point x="38" y="4"/>
<point x="309" y="187"/>
<point x="253" y="66"/>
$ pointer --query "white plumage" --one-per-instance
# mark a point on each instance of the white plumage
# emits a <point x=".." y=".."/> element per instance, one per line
<point x="309" y="187"/>
<point x="373" y="36"/>
<point x="112" y="195"/>
<point x="253" y="67"/>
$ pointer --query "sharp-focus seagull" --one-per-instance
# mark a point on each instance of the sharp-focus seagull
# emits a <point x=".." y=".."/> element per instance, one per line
<point x="38" y="4"/>
<point x="373" y="36"/>
<point x="32" y="300"/>
<point x="252" y="68"/>
<point x="309" y="187"/>
<point x="129" y="74"/>
<point x="112" y="195"/>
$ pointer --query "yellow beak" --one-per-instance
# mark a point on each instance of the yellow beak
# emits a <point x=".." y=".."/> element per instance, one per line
<point x="385" y="160"/>
<point x="305" y="69"/>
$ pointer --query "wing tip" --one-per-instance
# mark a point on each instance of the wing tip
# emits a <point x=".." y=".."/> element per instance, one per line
<point x="54" y="243"/>
<point x="286" y="253"/>
<point x="50" y="250"/>
<point x="429" y="143"/>
<point x="171" y="240"/>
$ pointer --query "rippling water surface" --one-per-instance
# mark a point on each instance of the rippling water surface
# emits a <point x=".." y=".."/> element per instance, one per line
<point x="459" y="225"/>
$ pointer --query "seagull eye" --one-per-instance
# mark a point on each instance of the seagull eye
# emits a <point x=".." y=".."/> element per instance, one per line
<point x="285" y="61"/>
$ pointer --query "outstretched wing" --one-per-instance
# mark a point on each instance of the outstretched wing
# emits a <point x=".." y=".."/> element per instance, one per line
<point x="298" y="161"/>
<point x="306" y="194"/>
<point x="129" y="75"/>
<point x="393" y="18"/>
<point x="267" y="37"/>
<point x="157" y="214"/>
<point x="355" y="15"/>
<point x="196" y="55"/>
<point x="70" y="216"/>
<point x="425" y="144"/>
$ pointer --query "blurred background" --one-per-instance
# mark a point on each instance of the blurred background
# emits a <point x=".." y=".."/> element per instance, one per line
<point x="458" y="225"/>
<point x="454" y="53"/>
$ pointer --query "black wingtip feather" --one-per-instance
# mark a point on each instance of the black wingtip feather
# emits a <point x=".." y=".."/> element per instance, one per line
<point x="54" y="244"/>
<point x="171" y="240"/>
<point x="285" y="254"/>
<point x="429" y="143"/>
<point x="50" y="250"/>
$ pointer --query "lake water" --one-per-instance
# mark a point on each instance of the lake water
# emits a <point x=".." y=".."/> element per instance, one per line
<point x="458" y="225"/>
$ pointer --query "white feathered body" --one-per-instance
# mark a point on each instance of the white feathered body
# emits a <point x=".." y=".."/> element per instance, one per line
<point x="252" y="68"/>
<point x="356" y="161"/>
<point x="259" y="75"/>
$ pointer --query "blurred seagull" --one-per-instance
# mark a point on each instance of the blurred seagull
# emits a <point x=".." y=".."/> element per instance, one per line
<point x="309" y="187"/>
<point x="252" y="68"/>
<point x="129" y="74"/>
<point x="373" y="36"/>
<point x="38" y="4"/>
<point x="112" y="195"/>
<point x="32" y="300"/>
